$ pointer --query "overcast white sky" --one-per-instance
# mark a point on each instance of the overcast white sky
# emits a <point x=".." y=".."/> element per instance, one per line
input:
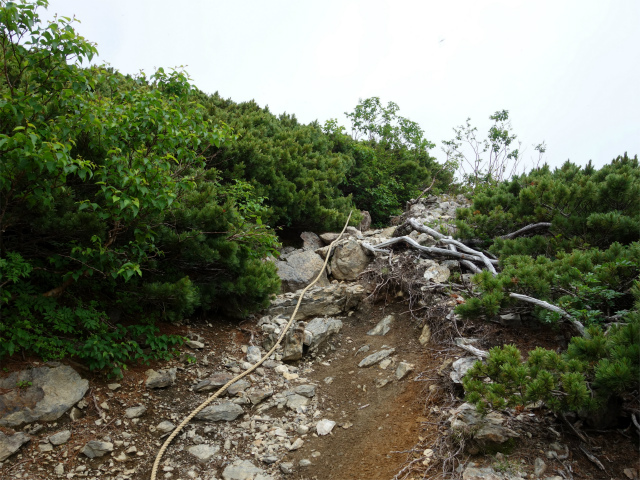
<point x="567" y="71"/>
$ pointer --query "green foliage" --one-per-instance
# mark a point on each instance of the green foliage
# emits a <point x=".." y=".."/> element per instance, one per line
<point x="105" y="185"/>
<point x="584" y="377"/>
<point x="485" y="163"/>
<point x="391" y="159"/>
<point x="586" y="264"/>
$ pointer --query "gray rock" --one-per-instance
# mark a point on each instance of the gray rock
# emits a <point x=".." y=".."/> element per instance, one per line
<point x="160" y="379"/>
<point x="308" y="391"/>
<point x="59" y="469"/>
<point x="434" y="271"/>
<point x="304" y="462"/>
<point x="403" y="369"/>
<point x="539" y="467"/>
<point x="319" y="330"/>
<point x="244" y="470"/>
<point x="286" y="467"/>
<point x="194" y="344"/>
<point x="324" y="427"/>
<point x="375" y="357"/>
<point x="10" y="444"/>
<point x="425" y="336"/>
<point x="487" y="431"/>
<point x="349" y="260"/>
<point x="60" y="437"/>
<point x="75" y="414"/>
<point x="258" y="395"/>
<point x="253" y="355"/>
<point x="333" y="299"/>
<point x="225" y="411"/>
<point x="510" y="320"/>
<point x="365" y="223"/>
<point x="96" y="448"/>
<point x="383" y="326"/>
<point x="203" y="452"/>
<point x="165" y="426"/>
<point x="239" y="386"/>
<point x="299" y="269"/>
<point x="297" y="444"/>
<point x="213" y="382"/>
<point x="135" y="412"/>
<point x="460" y="367"/>
<point x="311" y="241"/>
<point x="269" y="459"/>
<point x="295" y="401"/>
<point x="293" y="344"/>
<point x="51" y="393"/>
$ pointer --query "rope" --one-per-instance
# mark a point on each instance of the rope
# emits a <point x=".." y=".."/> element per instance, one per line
<point x="177" y="430"/>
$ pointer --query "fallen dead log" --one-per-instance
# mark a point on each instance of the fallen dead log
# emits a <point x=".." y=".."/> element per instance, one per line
<point x="541" y="303"/>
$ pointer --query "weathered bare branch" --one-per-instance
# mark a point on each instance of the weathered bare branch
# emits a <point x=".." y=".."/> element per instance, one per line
<point x="528" y="228"/>
<point x="541" y="303"/>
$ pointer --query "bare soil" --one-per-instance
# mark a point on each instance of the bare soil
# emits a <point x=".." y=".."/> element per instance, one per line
<point x="381" y="433"/>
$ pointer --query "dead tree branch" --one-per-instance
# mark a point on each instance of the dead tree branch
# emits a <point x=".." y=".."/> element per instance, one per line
<point x="541" y="303"/>
<point x="528" y="228"/>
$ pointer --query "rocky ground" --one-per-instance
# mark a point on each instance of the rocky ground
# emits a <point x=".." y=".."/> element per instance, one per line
<point x="364" y="387"/>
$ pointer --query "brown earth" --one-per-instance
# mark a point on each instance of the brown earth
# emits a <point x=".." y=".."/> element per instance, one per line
<point x="388" y="427"/>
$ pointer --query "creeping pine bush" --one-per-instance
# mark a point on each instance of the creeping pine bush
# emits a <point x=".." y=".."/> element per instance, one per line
<point x="587" y="263"/>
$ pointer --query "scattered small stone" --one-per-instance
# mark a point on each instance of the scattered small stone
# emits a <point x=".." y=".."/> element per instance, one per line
<point x="213" y="382"/>
<point x="45" y="447"/>
<point x="194" y="344"/>
<point x="203" y="452"/>
<point x="324" y="427"/>
<point x="269" y="459"/>
<point x="403" y="370"/>
<point x="539" y="467"/>
<point x="304" y="462"/>
<point x="59" y="470"/>
<point x="165" y="426"/>
<point x="135" y="412"/>
<point x="384" y="363"/>
<point x="96" y="448"/>
<point x="286" y="467"/>
<point x="296" y="444"/>
<point x="425" y="336"/>
<point x="244" y="470"/>
<point x="238" y="387"/>
<point x="376" y="357"/>
<point x="60" y="437"/>
<point x="225" y="411"/>
<point x="381" y="382"/>
<point x="113" y="386"/>
<point x="383" y="327"/>
<point x="308" y="391"/>
<point x="253" y="355"/>
<point x="160" y="379"/>
<point x="10" y="444"/>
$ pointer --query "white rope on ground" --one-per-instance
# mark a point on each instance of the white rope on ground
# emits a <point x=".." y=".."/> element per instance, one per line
<point x="156" y="463"/>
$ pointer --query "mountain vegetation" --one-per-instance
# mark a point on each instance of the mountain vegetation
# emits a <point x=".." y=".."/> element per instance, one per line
<point x="130" y="201"/>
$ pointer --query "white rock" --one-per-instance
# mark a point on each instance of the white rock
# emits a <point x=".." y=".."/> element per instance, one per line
<point x="203" y="452"/>
<point x="324" y="427"/>
<point x="135" y="412"/>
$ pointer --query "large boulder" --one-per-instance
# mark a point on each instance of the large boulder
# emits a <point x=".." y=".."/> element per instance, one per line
<point x="333" y="299"/>
<point x="349" y="260"/>
<point x="299" y="269"/>
<point x="49" y="393"/>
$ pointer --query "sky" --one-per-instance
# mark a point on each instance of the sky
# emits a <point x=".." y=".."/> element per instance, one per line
<point x="567" y="71"/>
